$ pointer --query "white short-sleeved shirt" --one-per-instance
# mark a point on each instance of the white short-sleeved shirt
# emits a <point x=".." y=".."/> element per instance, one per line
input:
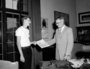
<point x="24" y="34"/>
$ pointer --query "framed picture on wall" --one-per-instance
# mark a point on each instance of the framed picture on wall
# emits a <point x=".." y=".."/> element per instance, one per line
<point x="44" y="28"/>
<point x="58" y="14"/>
<point x="84" y="17"/>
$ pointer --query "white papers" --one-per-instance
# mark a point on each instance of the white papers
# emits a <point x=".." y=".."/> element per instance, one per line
<point x="76" y="63"/>
<point x="42" y="43"/>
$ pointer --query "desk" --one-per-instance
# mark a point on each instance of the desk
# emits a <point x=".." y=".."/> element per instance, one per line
<point x="49" y="65"/>
<point x="84" y="66"/>
<point x="54" y="64"/>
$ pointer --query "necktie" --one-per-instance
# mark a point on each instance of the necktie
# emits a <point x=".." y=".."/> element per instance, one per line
<point x="59" y="32"/>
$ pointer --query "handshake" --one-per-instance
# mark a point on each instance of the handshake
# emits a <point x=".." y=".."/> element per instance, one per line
<point x="41" y="43"/>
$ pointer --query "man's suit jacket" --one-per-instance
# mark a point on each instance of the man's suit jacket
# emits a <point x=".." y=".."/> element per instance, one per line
<point x="64" y="42"/>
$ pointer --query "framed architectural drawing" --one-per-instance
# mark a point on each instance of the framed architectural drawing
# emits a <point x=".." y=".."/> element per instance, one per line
<point x="84" y="17"/>
<point x="58" y="14"/>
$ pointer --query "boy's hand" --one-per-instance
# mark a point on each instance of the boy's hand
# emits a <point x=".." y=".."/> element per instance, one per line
<point x="34" y="42"/>
<point x="22" y="59"/>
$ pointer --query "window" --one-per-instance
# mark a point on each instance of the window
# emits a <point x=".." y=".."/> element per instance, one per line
<point x="10" y="20"/>
<point x="17" y="5"/>
<point x="13" y="21"/>
<point x="12" y="4"/>
<point x="0" y="3"/>
<point x="0" y="35"/>
<point x="24" y="4"/>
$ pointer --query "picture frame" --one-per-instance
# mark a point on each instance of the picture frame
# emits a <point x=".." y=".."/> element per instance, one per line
<point x="44" y="22"/>
<point x="84" y="17"/>
<point x="44" y="28"/>
<point x="58" y="14"/>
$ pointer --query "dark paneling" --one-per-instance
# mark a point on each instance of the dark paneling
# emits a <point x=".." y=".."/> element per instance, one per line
<point x="49" y="51"/>
<point x="4" y="25"/>
<point x="36" y="19"/>
<point x="0" y="48"/>
<point x="0" y="57"/>
<point x="11" y="56"/>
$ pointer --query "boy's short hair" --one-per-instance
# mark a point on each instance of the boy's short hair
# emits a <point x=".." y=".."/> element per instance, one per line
<point x="25" y="17"/>
<point x="22" y="19"/>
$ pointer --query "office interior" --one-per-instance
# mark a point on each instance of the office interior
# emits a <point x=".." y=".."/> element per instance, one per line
<point x="11" y="11"/>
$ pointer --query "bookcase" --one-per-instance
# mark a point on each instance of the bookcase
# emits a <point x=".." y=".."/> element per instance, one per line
<point x="83" y="35"/>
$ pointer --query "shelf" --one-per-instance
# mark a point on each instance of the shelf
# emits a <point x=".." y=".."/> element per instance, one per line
<point x="83" y="35"/>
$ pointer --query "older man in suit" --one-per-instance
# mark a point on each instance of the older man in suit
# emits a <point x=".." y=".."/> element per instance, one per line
<point x="63" y="39"/>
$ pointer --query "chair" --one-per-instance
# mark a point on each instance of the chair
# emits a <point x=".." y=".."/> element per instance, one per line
<point x="8" y="65"/>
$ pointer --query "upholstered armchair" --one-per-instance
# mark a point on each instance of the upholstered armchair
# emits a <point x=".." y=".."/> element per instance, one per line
<point x="8" y="65"/>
